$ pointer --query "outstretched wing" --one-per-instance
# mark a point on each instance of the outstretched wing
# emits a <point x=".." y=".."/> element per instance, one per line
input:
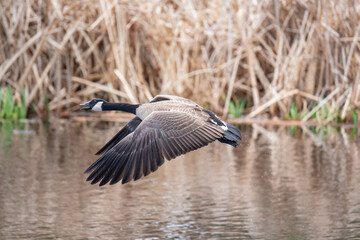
<point x="126" y="130"/>
<point x="161" y="135"/>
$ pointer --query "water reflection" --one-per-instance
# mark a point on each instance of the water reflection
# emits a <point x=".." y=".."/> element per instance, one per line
<point x="280" y="183"/>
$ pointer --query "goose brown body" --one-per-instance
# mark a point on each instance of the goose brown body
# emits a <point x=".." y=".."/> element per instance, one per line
<point x="166" y="127"/>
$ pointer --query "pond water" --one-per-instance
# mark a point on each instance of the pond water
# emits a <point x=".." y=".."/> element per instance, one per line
<point x="279" y="183"/>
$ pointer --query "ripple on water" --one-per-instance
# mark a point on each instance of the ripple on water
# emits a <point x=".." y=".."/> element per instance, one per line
<point x="273" y="186"/>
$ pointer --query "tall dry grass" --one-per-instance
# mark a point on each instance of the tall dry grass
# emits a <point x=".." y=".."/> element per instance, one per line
<point x="267" y="52"/>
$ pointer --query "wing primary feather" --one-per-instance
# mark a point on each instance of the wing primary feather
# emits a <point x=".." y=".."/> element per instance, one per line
<point x="129" y="168"/>
<point x="99" y="166"/>
<point x="140" y="158"/>
<point x="100" y="175"/>
<point x="181" y="144"/>
<point x="138" y="168"/>
<point x="165" y="149"/>
<point x="126" y="130"/>
<point x="158" y="156"/>
<point x="152" y="158"/>
<point x="201" y="134"/>
<point x="146" y="166"/>
<point x="146" y="156"/>
<point x="117" y="138"/>
<point x="189" y="145"/>
<point x="199" y="138"/>
<point x="109" y="174"/>
<point x="177" y="149"/>
<point x="211" y="136"/>
<point x="102" y="171"/>
<point x="164" y="142"/>
<point x="194" y="140"/>
<point x="92" y="166"/>
<point x="118" y="173"/>
<point x="174" y="148"/>
<point x="119" y="170"/>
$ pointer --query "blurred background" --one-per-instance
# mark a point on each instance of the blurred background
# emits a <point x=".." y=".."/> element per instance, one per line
<point x="289" y="59"/>
<point x="294" y="63"/>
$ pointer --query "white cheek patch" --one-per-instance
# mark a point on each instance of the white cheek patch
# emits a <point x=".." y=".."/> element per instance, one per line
<point x="97" y="106"/>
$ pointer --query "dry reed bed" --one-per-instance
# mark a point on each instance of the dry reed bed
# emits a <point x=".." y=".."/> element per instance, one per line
<point x="267" y="52"/>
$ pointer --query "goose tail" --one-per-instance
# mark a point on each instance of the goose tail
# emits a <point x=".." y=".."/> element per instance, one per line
<point x="231" y="136"/>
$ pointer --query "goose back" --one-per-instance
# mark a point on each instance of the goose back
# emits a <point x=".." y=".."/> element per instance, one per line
<point x="175" y="104"/>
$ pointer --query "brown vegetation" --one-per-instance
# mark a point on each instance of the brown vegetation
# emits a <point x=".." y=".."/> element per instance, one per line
<point x="267" y="52"/>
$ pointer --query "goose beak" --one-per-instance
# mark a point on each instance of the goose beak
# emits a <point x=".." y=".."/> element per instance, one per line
<point x="86" y="106"/>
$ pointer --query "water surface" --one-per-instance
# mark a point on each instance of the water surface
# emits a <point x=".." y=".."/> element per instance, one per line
<point x="279" y="183"/>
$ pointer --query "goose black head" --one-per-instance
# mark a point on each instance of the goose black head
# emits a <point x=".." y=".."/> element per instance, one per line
<point x="94" y="104"/>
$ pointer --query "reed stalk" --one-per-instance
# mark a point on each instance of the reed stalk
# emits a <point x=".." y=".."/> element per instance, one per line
<point x="268" y="53"/>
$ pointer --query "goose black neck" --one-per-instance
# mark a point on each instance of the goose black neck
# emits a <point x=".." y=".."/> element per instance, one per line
<point x="125" y="107"/>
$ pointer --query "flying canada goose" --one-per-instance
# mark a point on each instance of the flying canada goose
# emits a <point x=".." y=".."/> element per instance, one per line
<point x="166" y="127"/>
